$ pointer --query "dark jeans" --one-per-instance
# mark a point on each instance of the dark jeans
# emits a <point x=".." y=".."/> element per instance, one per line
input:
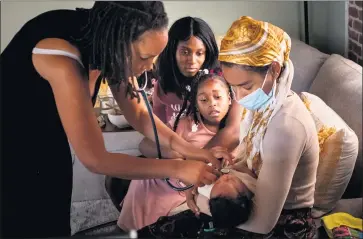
<point x="293" y="224"/>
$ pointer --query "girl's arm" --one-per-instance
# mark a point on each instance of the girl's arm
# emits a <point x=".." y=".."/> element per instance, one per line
<point x="282" y="149"/>
<point x="72" y="96"/>
<point x="228" y="137"/>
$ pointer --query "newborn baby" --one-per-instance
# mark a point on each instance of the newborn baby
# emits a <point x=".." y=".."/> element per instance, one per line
<point x="230" y="197"/>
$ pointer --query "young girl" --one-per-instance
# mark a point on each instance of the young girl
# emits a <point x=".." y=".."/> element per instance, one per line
<point x="147" y="200"/>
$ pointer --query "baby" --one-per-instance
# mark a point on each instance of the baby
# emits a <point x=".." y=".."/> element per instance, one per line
<point x="230" y="196"/>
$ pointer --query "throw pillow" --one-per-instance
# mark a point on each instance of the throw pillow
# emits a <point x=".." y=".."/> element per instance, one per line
<point x="338" y="153"/>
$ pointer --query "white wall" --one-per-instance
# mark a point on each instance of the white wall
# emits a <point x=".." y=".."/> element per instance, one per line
<point x="219" y="14"/>
<point x="15" y="14"/>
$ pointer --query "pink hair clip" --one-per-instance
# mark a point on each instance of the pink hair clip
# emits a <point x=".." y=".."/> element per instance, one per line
<point x="216" y="71"/>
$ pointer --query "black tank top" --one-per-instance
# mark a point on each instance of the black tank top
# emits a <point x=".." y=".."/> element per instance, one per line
<point x="36" y="154"/>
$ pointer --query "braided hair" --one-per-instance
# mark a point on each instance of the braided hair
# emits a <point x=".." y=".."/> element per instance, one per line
<point x="191" y="96"/>
<point x="111" y="28"/>
<point x="170" y="77"/>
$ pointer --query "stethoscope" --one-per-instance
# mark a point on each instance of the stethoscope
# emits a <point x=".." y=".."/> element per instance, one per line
<point x="143" y="93"/>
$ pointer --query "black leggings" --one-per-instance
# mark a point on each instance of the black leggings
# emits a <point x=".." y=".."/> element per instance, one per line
<point x="36" y="201"/>
<point x="117" y="189"/>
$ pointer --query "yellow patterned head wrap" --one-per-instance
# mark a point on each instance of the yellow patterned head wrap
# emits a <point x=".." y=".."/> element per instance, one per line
<point x="254" y="43"/>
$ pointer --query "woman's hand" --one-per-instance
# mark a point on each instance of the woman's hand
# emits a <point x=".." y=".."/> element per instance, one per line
<point x="196" y="173"/>
<point x="191" y="201"/>
<point x="214" y="156"/>
<point x="223" y="153"/>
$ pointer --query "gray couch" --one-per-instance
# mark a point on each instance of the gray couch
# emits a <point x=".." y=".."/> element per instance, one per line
<point x="334" y="79"/>
<point x="338" y="82"/>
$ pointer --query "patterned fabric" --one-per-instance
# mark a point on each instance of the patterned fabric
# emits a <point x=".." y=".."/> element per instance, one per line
<point x="344" y="232"/>
<point x="343" y="225"/>
<point x="254" y="124"/>
<point x="297" y="224"/>
<point x="254" y="43"/>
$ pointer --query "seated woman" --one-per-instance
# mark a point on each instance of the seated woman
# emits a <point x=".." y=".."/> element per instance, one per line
<point x="278" y="138"/>
<point x="147" y="200"/>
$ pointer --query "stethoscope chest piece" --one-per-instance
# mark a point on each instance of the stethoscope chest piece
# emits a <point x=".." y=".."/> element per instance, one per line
<point x="225" y="170"/>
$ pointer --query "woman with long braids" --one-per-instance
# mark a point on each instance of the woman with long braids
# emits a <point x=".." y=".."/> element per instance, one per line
<point x="57" y="61"/>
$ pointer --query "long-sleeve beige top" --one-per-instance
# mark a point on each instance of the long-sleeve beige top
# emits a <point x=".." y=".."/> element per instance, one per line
<point x="290" y="159"/>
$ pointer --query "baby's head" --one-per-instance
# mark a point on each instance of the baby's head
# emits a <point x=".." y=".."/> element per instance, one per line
<point x="230" y="202"/>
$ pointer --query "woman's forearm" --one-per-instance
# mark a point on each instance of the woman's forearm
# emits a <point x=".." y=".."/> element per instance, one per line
<point x="130" y="167"/>
<point x="148" y="149"/>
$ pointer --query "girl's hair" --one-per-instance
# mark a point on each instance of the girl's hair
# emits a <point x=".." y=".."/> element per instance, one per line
<point x="170" y="77"/>
<point x="111" y="28"/>
<point x="191" y="96"/>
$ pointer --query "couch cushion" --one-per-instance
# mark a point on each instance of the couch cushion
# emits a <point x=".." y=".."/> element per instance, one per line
<point x="307" y="62"/>
<point x="338" y="153"/>
<point x="339" y="85"/>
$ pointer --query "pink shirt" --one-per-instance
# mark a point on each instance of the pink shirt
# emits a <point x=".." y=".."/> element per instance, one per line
<point x="165" y="106"/>
<point x="198" y="135"/>
<point x="147" y="200"/>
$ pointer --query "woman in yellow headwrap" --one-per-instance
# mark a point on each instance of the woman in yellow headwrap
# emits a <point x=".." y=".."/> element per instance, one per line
<point x="278" y="136"/>
<point x="279" y="141"/>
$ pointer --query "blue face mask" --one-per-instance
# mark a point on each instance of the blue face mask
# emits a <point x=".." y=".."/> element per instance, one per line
<point x="257" y="99"/>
